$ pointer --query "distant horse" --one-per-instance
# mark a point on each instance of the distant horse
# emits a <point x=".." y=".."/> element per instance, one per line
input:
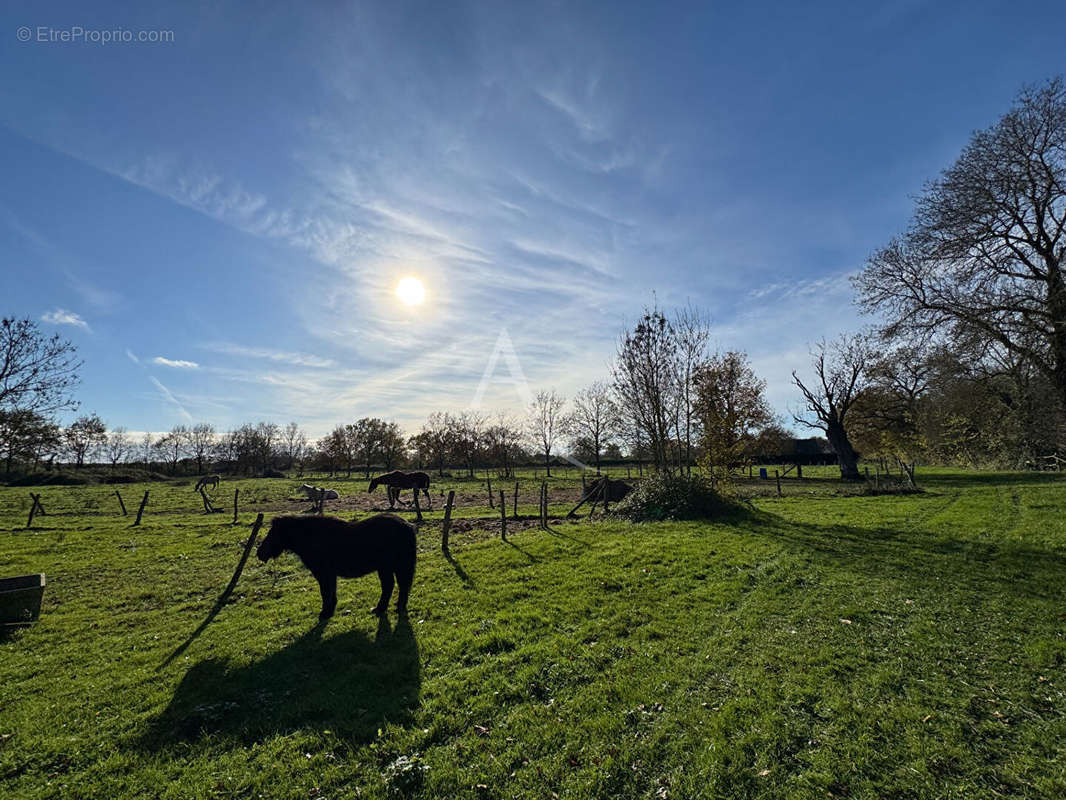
<point x="207" y="480"/>
<point x="314" y="493"/>
<point x="397" y="480"/>
<point x="333" y="548"/>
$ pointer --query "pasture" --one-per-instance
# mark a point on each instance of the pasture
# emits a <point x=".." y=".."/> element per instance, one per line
<point x="827" y="645"/>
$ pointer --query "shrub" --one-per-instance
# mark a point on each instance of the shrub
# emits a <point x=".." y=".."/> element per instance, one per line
<point x="675" y="497"/>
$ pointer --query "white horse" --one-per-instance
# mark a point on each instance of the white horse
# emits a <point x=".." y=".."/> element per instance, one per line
<point x="314" y="493"/>
<point x="207" y="480"/>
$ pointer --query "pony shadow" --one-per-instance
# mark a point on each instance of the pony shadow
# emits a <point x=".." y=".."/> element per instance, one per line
<point x="350" y="684"/>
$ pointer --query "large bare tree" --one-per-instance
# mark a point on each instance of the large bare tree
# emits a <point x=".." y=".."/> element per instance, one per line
<point x="985" y="252"/>
<point x="37" y="373"/>
<point x="840" y="370"/>
<point x="645" y="385"/>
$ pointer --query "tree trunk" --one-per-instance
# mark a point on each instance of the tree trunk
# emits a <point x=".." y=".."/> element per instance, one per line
<point x="846" y="455"/>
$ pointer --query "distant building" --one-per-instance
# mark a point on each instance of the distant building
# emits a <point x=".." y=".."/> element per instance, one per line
<point x="807" y="452"/>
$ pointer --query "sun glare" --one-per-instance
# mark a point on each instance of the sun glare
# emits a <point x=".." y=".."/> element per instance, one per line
<point x="410" y="291"/>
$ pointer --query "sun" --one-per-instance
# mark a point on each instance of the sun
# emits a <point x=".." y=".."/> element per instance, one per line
<point x="410" y="291"/>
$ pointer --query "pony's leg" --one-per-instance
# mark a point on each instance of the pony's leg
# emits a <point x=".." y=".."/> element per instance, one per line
<point x="385" y="576"/>
<point x="404" y="578"/>
<point x="327" y="584"/>
<point x="429" y="499"/>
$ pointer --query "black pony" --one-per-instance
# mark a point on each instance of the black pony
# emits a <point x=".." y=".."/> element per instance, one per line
<point x="333" y="548"/>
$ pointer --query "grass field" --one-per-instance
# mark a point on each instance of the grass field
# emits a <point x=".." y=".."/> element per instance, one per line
<point x="825" y="646"/>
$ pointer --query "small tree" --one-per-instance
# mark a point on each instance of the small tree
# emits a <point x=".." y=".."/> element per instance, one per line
<point x="594" y="420"/>
<point x="840" y="371"/>
<point x="118" y="446"/>
<point x="546" y="423"/>
<point x="201" y="440"/>
<point x="83" y="436"/>
<point x="294" y="443"/>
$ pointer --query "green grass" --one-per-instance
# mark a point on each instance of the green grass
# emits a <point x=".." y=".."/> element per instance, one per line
<point x="844" y="646"/>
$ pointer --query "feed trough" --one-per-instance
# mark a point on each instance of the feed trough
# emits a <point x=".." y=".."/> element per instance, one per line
<point x="20" y="599"/>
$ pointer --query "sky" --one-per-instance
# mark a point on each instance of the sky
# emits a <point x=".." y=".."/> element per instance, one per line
<point x="218" y="220"/>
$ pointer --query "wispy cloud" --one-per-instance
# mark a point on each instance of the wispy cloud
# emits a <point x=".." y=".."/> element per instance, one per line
<point x="175" y="363"/>
<point x="281" y="356"/>
<point x="170" y="398"/>
<point x="63" y="317"/>
<point x="132" y="357"/>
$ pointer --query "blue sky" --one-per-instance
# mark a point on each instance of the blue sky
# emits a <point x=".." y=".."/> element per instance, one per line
<point x="218" y="222"/>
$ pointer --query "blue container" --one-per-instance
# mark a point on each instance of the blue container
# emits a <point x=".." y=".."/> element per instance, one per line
<point x="762" y="473"/>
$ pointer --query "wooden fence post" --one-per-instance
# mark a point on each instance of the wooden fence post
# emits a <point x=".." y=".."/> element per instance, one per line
<point x="418" y="509"/>
<point x="144" y="502"/>
<point x="244" y="557"/>
<point x="503" y="515"/>
<point x="33" y="508"/>
<point x="236" y="492"/>
<point x="516" y="500"/>
<point x="490" y="492"/>
<point x="447" y="521"/>
<point x="121" y="504"/>
<point x="777" y="475"/>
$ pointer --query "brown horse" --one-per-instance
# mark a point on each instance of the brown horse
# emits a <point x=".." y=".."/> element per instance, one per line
<point x="397" y="480"/>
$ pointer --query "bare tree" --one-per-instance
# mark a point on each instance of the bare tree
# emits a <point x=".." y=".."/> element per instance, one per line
<point x="83" y="436"/>
<point x="118" y="445"/>
<point x="174" y="446"/>
<point x="147" y="442"/>
<point x="201" y="439"/>
<point x="594" y="418"/>
<point x="692" y="332"/>
<point x="392" y="445"/>
<point x="840" y="369"/>
<point x="985" y="253"/>
<point x="294" y="443"/>
<point x="37" y="373"/>
<point x="434" y="440"/>
<point x="546" y="423"/>
<point x="467" y="433"/>
<point x="644" y="383"/>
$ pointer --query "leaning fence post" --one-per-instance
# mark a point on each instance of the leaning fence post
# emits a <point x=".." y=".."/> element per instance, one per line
<point x="503" y="515"/>
<point x="144" y="502"/>
<point x="33" y="509"/>
<point x="447" y="526"/>
<point x="123" y="505"/>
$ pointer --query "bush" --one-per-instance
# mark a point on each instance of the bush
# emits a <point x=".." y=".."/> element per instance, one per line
<point x="51" y="479"/>
<point x="676" y="497"/>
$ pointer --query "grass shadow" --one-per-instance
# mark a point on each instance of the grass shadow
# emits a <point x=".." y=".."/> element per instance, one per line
<point x="924" y="559"/>
<point x="561" y="535"/>
<point x="350" y="684"/>
<point x="463" y="576"/>
<point x="532" y="558"/>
